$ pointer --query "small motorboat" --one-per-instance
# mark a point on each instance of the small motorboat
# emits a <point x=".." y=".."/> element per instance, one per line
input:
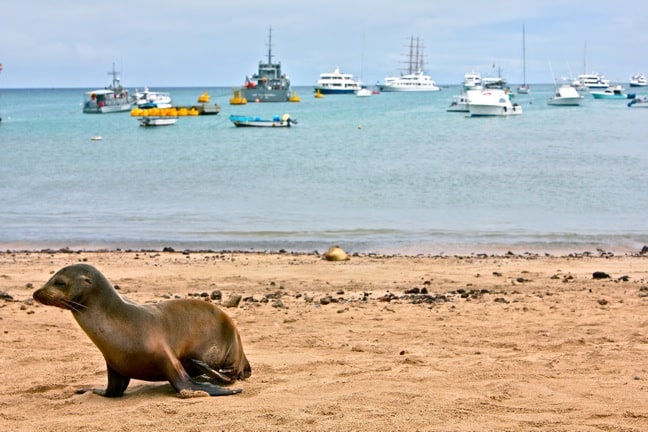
<point x="566" y="95"/>
<point x="492" y="102"/>
<point x="612" y="92"/>
<point x="276" y="121"/>
<point x="364" y="92"/>
<point x="157" y="121"/>
<point x="638" y="102"/>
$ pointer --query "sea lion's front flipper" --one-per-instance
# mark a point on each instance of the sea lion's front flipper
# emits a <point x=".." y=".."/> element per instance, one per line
<point x="116" y="385"/>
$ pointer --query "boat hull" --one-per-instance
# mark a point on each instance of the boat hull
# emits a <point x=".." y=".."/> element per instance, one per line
<point x="245" y="121"/>
<point x="266" y="95"/>
<point x="388" y="88"/>
<point x="601" y="95"/>
<point x="95" y="109"/>
<point x="157" y="121"/>
<point x="331" y="91"/>
<point x="493" y="110"/>
<point x="565" y="101"/>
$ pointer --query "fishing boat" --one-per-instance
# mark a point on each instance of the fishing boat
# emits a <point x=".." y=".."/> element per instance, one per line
<point x="152" y="99"/>
<point x="268" y="84"/>
<point x="565" y="95"/>
<point x="611" y="92"/>
<point x="524" y="88"/>
<point x="414" y="79"/>
<point x="248" y="121"/>
<point x="113" y="98"/>
<point x="492" y="102"/>
<point x="337" y="82"/>
<point x="157" y="121"/>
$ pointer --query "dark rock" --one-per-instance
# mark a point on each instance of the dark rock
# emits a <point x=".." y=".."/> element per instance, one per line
<point x="600" y="275"/>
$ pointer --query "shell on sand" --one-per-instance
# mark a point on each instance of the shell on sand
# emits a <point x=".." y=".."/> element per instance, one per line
<point x="336" y="253"/>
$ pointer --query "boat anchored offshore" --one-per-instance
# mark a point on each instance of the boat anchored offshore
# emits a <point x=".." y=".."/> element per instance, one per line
<point x="276" y="122"/>
<point x="638" y="80"/>
<point x="151" y="99"/>
<point x="337" y="82"/>
<point x="269" y="84"/>
<point x="492" y="102"/>
<point x="612" y="92"/>
<point x="566" y="95"/>
<point x="113" y="98"/>
<point x="157" y="121"/>
<point x="414" y="80"/>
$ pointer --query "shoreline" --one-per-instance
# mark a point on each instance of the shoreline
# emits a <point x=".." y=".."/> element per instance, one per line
<point x="492" y="251"/>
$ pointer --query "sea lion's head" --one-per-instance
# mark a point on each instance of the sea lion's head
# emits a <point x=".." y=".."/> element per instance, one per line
<point x="70" y="287"/>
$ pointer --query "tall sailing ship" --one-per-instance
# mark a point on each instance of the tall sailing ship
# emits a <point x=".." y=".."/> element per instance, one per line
<point x="414" y="80"/>
<point x="269" y="84"/>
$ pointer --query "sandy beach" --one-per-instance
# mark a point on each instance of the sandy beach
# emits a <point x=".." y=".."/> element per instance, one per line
<point x="380" y="343"/>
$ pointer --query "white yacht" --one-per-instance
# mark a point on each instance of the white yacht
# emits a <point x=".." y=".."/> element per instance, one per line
<point x="472" y="81"/>
<point x="413" y="79"/>
<point x="638" y="80"/>
<point x="492" y="102"/>
<point x="415" y="82"/>
<point x="566" y="95"/>
<point x="591" y="81"/>
<point x="151" y="99"/>
<point x="337" y="83"/>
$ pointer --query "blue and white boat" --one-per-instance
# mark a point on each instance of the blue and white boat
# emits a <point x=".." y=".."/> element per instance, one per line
<point x="249" y="121"/>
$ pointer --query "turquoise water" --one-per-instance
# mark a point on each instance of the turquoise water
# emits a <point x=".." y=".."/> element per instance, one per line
<point x="390" y="173"/>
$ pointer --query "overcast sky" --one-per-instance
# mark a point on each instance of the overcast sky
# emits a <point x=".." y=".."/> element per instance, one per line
<point x="159" y="43"/>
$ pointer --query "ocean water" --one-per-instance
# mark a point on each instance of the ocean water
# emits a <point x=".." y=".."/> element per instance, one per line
<point x="392" y="173"/>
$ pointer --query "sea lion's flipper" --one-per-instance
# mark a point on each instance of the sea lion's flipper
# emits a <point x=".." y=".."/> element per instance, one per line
<point x="210" y="372"/>
<point x="212" y="390"/>
<point x="116" y="385"/>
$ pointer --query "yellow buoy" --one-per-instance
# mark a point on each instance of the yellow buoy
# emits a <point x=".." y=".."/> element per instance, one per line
<point x="237" y="98"/>
<point x="204" y="98"/>
<point x="294" y="98"/>
<point x="318" y="95"/>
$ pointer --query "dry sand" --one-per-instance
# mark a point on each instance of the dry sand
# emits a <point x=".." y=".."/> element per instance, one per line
<point x="505" y="343"/>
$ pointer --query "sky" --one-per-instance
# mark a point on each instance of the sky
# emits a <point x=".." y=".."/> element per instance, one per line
<point x="210" y="43"/>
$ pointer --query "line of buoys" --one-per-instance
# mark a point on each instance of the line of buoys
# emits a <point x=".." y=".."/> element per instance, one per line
<point x="164" y="112"/>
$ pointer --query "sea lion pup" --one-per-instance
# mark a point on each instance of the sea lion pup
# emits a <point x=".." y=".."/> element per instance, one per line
<point x="336" y="253"/>
<point x="173" y="341"/>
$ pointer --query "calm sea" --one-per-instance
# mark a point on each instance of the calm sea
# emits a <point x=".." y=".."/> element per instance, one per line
<point x="392" y="173"/>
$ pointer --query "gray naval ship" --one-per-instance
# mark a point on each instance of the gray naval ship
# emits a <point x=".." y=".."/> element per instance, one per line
<point x="268" y="84"/>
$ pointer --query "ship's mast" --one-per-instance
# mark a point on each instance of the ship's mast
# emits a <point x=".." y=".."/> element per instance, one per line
<point x="115" y="75"/>
<point x="270" y="46"/>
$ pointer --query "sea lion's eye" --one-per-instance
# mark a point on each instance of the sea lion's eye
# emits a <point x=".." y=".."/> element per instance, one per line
<point x="59" y="283"/>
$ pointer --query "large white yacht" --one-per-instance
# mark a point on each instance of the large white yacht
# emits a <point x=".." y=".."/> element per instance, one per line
<point x="413" y="79"/>
<point x="591" y="81"/>
<point x="337" y="83"/>
<point x="415" y="82"/>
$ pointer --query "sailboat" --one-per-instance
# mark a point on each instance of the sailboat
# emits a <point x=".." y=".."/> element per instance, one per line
<point x="524" y="88"/>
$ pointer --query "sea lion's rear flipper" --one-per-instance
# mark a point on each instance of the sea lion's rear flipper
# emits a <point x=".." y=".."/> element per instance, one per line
<point x="212" y="373"/>
<point x="212" y="389"/>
